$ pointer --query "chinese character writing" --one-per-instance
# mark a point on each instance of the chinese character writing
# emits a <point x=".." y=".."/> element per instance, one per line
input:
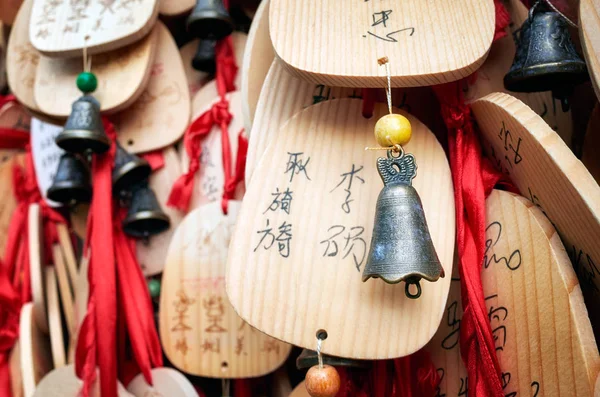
<point x="506" y="136"/>
<point x="451" y="340"/>
<point x="283" y="238"/>
<point x="381" y="17"/>
<point x="497" y="316"/>
<point x="349" y="177"/>
<point x="215" y="310"/>
<point x="239" y="345"/>
<point x="296" y="165"/>
<point x="211" y="346"/>
<point x="353" y="244"/>
<point x="282" y="200"/>
<point x="270" y="345"/>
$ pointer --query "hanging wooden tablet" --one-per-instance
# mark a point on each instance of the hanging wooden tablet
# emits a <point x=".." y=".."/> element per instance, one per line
<point x="34" y="345"/>
<point x="54" y="319"/>
<point x="589" y="33"/>
<point x="46" y="154"/>
<point x="62" y="382"/>
<point x="14" y="366"/>
<point x="161" y="114"/>
<point x="592" y="143"/>
<point x="64" y="29"/>
<point x="491" y="75"/>
<point x="171" y="8"/>
<point x="282" y="96"/>
<point x="64" y="288"/>
<point x="301" y="241"/>
<point x="258" y="58"/>
<point x="426" y="43"/>
<point x="68" y="252"/>
<point x="22" y="59"/>
<point x="209" y="180"/>
<point x="152" y="254"/>
<point x="166" y="382"/>
<point x="122" y="77"/>
<point x="522" y="145"/>
<point x="541" y="330"/>
<point x="36" y="266"/>
<point x="200" y="332"/>
<point x="9" y="202"/>
<point x="197" y="79"/>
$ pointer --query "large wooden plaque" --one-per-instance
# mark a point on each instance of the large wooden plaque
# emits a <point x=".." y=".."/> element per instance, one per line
<point x="589" y="32"/>
<point x="301" y="242"/>
<point x="200" y="332"/>
<point x="544" y="169"/>
<point x="427" y="43"/>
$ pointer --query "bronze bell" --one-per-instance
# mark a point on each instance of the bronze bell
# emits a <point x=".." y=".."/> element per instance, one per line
<point x="71" y="183"/>
<point x="545" y="59"/>
<point x="145" y="217"/>
<point x="204" y="60"/>
<point x="210" y="19"/>
<point x="401" y="247"/>
<point x="128" y="170"/>
<point x="84" y="130"/>
<point x="309" y="358"/>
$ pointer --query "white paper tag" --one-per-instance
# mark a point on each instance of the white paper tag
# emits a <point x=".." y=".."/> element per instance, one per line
<point x="46" y="154"/>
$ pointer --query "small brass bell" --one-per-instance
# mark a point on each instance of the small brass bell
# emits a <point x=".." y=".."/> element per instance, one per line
<point x="309" y="358"/>
<point x="145" y="217"/>
<point x="401" y="247"/>
<point x="545" y="59"/>
<point x="84" y="130"/>
<point x="210" y="19"/>
<point x="129" y="170"/>
<point x="204" y="60"/>
<point x="71" y="183"/>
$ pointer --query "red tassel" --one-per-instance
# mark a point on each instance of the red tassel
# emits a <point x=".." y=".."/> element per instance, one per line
<point x="232" y="180"/>
<point x="155" y="159"/>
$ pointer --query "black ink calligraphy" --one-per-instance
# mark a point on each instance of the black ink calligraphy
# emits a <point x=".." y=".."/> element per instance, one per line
<point x="352" y="243"/>
<point x="348" y="177"/>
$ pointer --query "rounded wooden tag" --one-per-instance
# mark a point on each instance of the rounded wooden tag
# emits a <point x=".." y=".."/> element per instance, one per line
<point x="542" y="334"/>
<point x="122" y="77"/>
<point x="210" y="179"/>
<point x="36" y="266"/>
<point x="300" y="391"/>
<point x="22" y="59"/>
<point x="9" y="202"/>
<point x="171" y="8"/>
<point x="64" y="289"/>
<point x="161" y="114"/>
<point x="490" y="77"/>
<point x="589" y="33"/>
<point x="426" y="43"/>
<point x="196" y="80"/>
<point x="34" y="345"/>
<point x="46" y="155"/>
<point x="153" y="253"/>
<point x="522" y="145"/>
<point x="200" y="332"/>
<point x="258" y="58"/>
<point x="62" y="382"/>
<point x="592" y="143"/>
<point x="166" y="382"/>
<point x="64" y="29"/>
<point x="302" y="239"/>
<point x="54" y="320"/>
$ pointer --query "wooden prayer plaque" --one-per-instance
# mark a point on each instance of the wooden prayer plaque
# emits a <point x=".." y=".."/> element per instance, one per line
<point x="161" y="114"/>
<point x="57" y="343"/>
<point x="490" y="78"/>
<point x="301" y="242"/>
<point x="34" y="346"/>
<point x="64" y="29"/>
<point x="544" y="169"/>
<point x="166" y="382"/>
<point x="170" y="8"/>
<point x="542" y="333"/>
<point x="201" y="334"/>
<point x="36" y="266"/>
<point x="589" y="32"/>
<point x="153" y="253"/>
<point x="64" y="288"/>
<point x="22" y="59"/>
<point x="427" y="43"/>
<point x="122" y="77"/>
<point x="258" y="58"/>
<point x="46" y="155"/>
<point x="62" y="382"/>
<point x="9" y="202"/>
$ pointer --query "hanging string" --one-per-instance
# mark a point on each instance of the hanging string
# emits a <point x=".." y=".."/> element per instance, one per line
<point x="388" y="91"/>
<point x="87" y="61"/>
<point x="225" y="386"/>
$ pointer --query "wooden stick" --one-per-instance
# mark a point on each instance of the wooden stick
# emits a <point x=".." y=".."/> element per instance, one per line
<point x="68" y="252"/>
<point x="66" y="294"/>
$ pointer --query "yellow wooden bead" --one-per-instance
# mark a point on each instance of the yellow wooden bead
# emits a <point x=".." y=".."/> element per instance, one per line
<point x="393" y="129"/>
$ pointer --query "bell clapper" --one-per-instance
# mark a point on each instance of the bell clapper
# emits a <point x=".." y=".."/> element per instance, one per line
<point x="322" y="380"/>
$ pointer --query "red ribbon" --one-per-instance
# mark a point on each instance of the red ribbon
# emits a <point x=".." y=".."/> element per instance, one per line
<point x="11" y="138"/>
<point x="232" y="179"/>
<point x="6" y="99"/>
<point x="155" y="158"/>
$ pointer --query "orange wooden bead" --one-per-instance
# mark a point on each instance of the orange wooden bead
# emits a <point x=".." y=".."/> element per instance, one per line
<point x="322" y="382"/>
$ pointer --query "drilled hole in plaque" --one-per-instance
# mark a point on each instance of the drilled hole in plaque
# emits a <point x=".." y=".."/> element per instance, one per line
<point x="322" y="334"/>
<point x="224" y="366"/>
<point x="130" y="142"/>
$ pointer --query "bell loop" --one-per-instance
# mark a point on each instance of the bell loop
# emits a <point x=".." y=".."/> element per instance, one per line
<point x="415" y="282"/>
<point x="396" y="170"/>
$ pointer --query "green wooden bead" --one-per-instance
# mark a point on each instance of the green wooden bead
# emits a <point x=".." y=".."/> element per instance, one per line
<point x="87" y="82"/>
<point x="154" y="288"/>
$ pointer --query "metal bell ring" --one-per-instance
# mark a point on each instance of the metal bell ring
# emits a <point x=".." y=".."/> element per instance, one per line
<point x="309" y="358"/>
<point x="210" y="19"/>
<point x="128" y="170"/>
<point x="401" y="246"/>
<point x="71" y="183"/>
<point x="145" y="218"/>
<point x="84" y="130"/>
<point x="545" y="58"/>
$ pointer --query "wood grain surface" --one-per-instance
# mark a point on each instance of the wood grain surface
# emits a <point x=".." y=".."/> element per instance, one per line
<point x="544" y="169"/>
<point x="161" y="114"/>
<point x="171" y="8"/>
<point x="426" y="43"/>
<point x="292" y="274"/>
<point x="122" y="77"/>
<point x="62" y="382"/>
<point x="64" y="29"/>
<point x="36" y="266"/>
<point x="200" y="332"/>
<point x="57" y="344"/>
<point x="64" y="288"/>
<point x="9" y="203"/>
<point x="589" y="33"/>
<point x="258" y="57"/>
<point x="167" y="382"/>
<point x="34" y="346"/>
<point x="542" y="333"/>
